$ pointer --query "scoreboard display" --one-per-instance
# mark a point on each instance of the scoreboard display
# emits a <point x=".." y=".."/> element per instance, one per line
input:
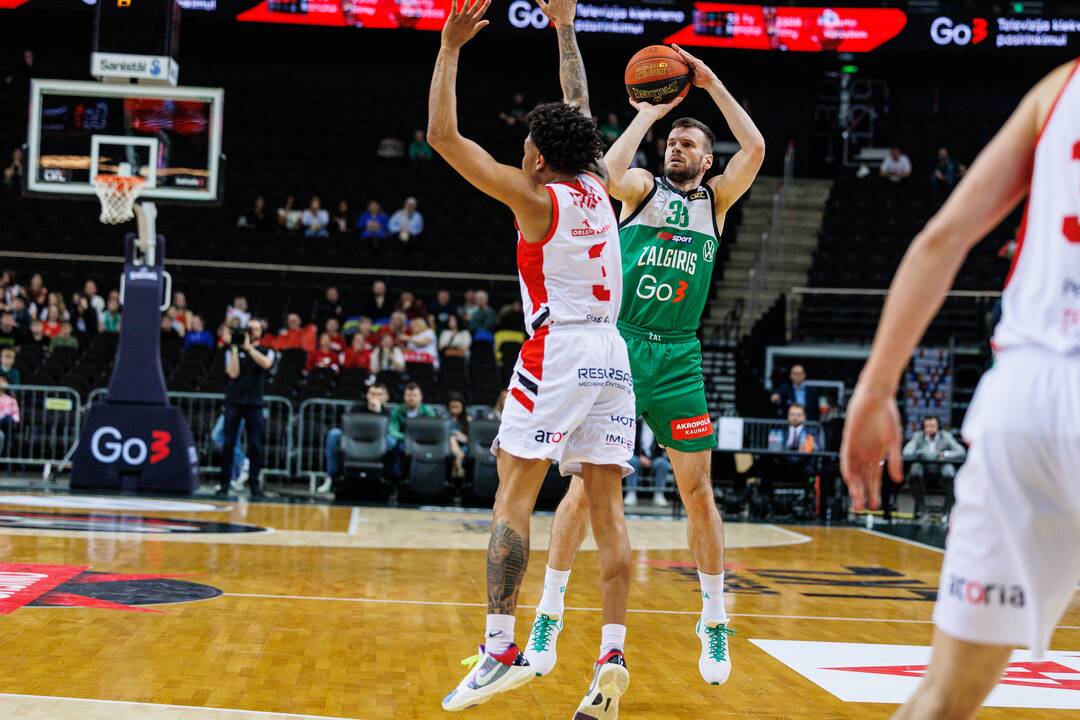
<point x="137" y="27"/>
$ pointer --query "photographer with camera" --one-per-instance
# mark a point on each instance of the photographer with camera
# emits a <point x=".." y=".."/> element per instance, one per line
<point x="247" y="365"/>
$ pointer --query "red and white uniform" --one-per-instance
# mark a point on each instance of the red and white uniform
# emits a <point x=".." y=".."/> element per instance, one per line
<point x="1008" y="576"/>
<point x="571" y="394"/>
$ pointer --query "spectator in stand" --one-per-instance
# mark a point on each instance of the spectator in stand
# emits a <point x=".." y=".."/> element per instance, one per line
<point x="515" y="112"/>
<point x="198" y="334"/>
<point x="459" y="433"/>
<point x="511" y="317"/>
<point x="315" y="219"/>
<point x="11" y="335"/>
<point x="419" y="150"/>
<point x="64" y="338"/>
<point x="375" y="404"/>
<point x="90" y="292"/>
<point x="441" y="310"/>
<point x="84" y="317"/>
<point x="378" y="306"/>
<point x="387" y="357"/>
<point x="37" y="335"/>
<point x="183" y="312"/>
<point x="495" y="413"/>
<point x="420" y="343"/>
<point x="483" y="318"/>
<point x="397" y="327"/>
<point x="611" y="130"/>
<point x="9" y="415"/>
<point x="7" y="366"/>
<point x="326" y="307"/>
<point x="366" y="332"/>
<point x="412" y="307"/>
<point x="359" y="354"/>
<point x="469" y="308"/>
<point x="288" y="217"/>
<point x="340" y="221"/>
<point x="407" y="222"/>
<point x="56" y="309"/>
<point x="8" y="288"/>
<point x="169" y="335"/>
<point x="932" y="444"/>
<point x="20" y="311"/>
<point x="110" y="320"/>
<point x="20" y="76"/>
<point x="15" y="170"/>
<point x="797" y="392"/>
<point x="258" y="218"/>
<point x="413" y="407"/>
<point x="373" y="224"/>
<point x="37" y="294"/>
<point x="650" y="456"/>
<point x="50" y="327"/>
<point x="455" y="340"/>
<point x="946" y="173"/>
<point x="324" y="356"/>
<point x="333" y="329"/>
<point x="896" y="166"/>
<point x="238" y="311"/>
<point x="291" y="337"/>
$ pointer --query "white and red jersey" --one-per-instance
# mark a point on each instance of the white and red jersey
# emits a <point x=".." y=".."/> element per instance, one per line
<point x="574" y="275"/>
<point x="1041" y="302"/>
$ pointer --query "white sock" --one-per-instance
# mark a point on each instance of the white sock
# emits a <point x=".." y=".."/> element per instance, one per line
<point x="712" y="597"/>
<point x="500" y="633"/>
<point x="555" y="581"/>
<point x="612" y="637"/>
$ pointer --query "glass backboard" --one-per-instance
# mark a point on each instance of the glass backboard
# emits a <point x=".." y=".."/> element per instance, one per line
<point x="170" y="136"/>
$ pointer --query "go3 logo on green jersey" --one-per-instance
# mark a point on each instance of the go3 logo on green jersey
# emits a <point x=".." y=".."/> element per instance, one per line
<point x="649" y="287"/>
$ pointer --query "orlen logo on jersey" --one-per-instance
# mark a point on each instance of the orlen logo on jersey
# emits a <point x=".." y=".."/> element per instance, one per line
<point x="588" y="230"/>
<point x="944" y="31"/>
<point x="672" y="237"/>
<point x="549" y="438"/>
<point x="976" y="593"/>
<point x="108" y="446"/>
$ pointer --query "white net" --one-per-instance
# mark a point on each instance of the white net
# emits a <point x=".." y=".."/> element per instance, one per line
<point x="117" y="194"/>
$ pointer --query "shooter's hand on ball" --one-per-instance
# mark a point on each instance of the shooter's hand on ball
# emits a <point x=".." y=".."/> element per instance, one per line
<point x="700" y="74"/>
<point x="463" y="23"/>
<point x="655" y="112"/>
<point x="561" y="13"/>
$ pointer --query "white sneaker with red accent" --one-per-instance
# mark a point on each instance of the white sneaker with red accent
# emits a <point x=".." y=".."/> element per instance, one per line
<point x="610" y="680"/>
<point x="488" y="676"/>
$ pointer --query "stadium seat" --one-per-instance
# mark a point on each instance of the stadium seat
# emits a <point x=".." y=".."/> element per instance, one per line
<point x="485" y="473"/>
<point x="363" y="444"/>
<point x="427" y="444"/>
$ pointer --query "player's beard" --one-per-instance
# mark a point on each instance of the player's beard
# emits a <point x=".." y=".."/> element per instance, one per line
<point x="685" y="173"/>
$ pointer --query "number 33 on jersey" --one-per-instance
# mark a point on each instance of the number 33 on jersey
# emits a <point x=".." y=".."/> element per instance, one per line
<point x="669" y="249"/>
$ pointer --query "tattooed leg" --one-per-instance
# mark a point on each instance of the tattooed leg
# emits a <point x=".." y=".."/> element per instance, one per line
<point x="508" y="556"/>
<point x="508" y="549"/>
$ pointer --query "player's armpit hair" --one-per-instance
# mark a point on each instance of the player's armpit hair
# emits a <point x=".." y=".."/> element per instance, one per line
<point x="569" y="141"/>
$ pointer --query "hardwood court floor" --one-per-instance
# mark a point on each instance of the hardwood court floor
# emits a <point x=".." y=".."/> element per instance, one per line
<point x="366" y="613"/>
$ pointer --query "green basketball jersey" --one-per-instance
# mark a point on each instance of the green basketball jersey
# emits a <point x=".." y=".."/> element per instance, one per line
<point x="669" y="250"/>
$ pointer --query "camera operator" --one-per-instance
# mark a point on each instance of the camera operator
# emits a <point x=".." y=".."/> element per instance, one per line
<point x="247" y="364"/>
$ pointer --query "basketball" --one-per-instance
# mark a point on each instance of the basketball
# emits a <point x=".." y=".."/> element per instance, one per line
<point x="657" y="74"/>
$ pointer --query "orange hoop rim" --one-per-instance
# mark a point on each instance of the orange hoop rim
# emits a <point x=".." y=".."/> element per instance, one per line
<point x="122" y="182"/>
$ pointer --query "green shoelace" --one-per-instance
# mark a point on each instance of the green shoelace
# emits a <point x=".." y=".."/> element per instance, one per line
<point x="717" y="637"/>
<point x="541" y="632"/>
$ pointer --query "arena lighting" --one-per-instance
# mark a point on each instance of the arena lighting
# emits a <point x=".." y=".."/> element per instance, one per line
<point x="849" y="69"/>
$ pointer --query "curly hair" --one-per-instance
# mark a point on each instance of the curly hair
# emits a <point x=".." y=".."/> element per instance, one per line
<point x="569" y="141"/>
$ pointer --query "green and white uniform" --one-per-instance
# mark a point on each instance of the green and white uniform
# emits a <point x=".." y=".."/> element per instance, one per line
<point x="669" y="247"/>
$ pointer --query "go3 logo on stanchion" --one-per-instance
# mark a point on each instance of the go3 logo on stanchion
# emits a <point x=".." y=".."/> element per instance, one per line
<point x="108" y="446"/>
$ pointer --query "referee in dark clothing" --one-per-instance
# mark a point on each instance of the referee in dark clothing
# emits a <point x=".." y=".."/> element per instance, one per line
<point x="247" y="365"/>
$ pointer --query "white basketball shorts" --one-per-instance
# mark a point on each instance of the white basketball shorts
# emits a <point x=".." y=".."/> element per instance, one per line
<point x="571" y="399"/>
<point x="1011" y="560"/>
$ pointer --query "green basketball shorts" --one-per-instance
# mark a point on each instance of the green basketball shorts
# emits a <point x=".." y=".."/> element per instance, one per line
<point x="670" y="387"/>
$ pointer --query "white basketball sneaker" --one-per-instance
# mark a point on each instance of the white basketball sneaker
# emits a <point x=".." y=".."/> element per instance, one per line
<point x="540" y="650"/>
<point x="488" y="676"/>
<point x="610" y="681"/>
<point x="715" y="662"/>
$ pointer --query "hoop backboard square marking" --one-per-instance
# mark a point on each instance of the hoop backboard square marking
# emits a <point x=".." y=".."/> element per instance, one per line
<point x="67" y="116"/>
<point x="148" y="171"/>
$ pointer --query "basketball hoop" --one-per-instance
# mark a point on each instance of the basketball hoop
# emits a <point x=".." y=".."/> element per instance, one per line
<point x="118" y="194"/>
